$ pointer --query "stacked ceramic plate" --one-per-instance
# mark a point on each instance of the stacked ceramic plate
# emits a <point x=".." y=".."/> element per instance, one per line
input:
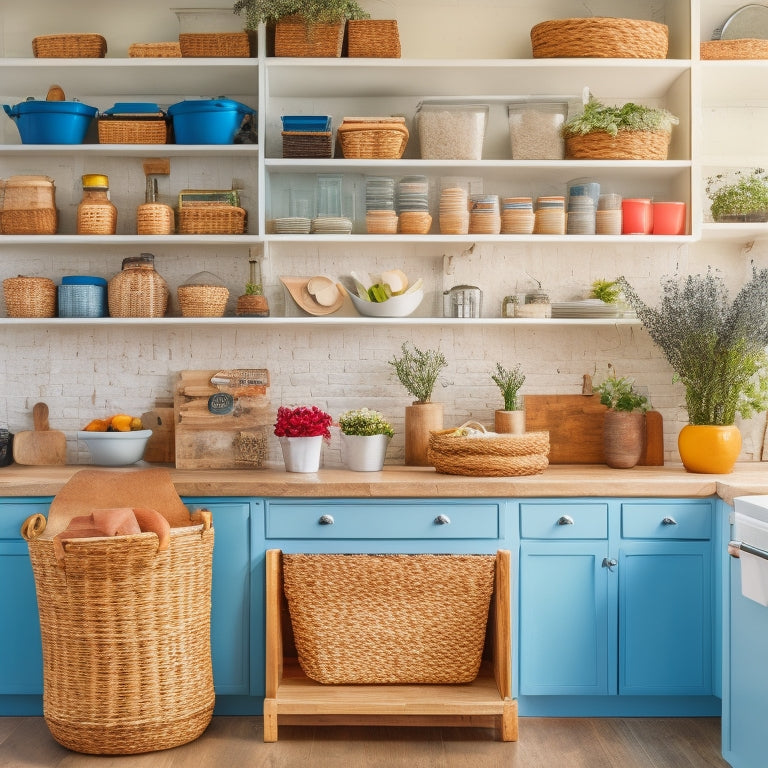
<point x="293" y="225"/>
<point x="413" y="205"/>
<point x="380" y="214"/>
<point x="331" y="225"/>
<point x="484" y="215"/>
<point x="454" y="211"/>
<point x="608" y="216"/>
<point x="550" y="215"/>
<point x="517" y="217"/>
<point x="593" y="308"/>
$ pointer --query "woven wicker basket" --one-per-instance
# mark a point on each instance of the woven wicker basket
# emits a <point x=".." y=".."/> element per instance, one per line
<point x="155" y="219"/>
<point x="373" y="38"/>
<point x="402" y="618"/>
<point x="492" y="456"/>
<point x="600" y="37"/>
<point x="125" y="629"/>
<point x="370" y="140"/>
<point x="30" y="296"/>
<point x="214" y="44"/>
<point x="307" y="143"/>
<point x="75" y="46"/>
<point x="211" y="220"/>
<point x="294" y="37"/>
<point x="32" y="221"/>
<point x="167" y="50"/>
<point x="626" y="145"/>
<point x="202" y="300"/>
<point x="116" y="131"/>
<point x="746" y="48"/>
<point x="137" y="292"/>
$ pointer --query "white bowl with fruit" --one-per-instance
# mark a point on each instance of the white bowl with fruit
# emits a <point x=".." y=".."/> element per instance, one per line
<point x="386" y="295"/>
<point x="111" y="446"/>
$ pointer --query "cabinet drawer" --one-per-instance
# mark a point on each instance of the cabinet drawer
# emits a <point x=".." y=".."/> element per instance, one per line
<point x="14" y="513"/>
<point x="671" y="520"/>
<point x="564" y="521"/>
<point x="382" y="520"/>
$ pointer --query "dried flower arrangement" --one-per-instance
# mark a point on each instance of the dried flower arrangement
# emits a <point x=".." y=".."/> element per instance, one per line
<point x="717" y="348"/>
<point x="509" y="382"/>
<point x="303" y="421"/>
<point x="418" y="370"/>
<point x="365" y="422"/>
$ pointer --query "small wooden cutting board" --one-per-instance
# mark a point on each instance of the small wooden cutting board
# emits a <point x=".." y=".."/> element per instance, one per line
<point x="41" y="446"/>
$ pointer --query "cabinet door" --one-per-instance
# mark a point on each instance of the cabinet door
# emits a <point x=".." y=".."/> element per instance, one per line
<point x="230" y="595"/>
<point x="665" y="618"/>
<point x="564" y="618"/>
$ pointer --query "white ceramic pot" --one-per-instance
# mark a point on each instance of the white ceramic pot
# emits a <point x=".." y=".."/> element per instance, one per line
<point x="364" y="453"/>
<point x="301" y="454"/>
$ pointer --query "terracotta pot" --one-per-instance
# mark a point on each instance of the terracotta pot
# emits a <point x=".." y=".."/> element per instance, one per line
<point x="420" y="420"/>
<point x="364" y="453"/>
<point x="252" y="305"/>
<point x="301" y="454"/>
<point x="709" y="449"/>
<point x="509" y="422"/>
<point x="623" y="438"/>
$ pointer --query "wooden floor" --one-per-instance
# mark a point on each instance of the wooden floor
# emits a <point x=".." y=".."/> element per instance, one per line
<point x="25" y="742"/>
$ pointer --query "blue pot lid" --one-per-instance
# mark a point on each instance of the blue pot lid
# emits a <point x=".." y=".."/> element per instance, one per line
<point x="83" y="280"/>
<point x="133" y="108"/>
<point x="191" y="106"/>
<point x="33" y="106"/>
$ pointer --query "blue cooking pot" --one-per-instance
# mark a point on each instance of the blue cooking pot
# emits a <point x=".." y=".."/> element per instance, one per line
<point x="207" y="121"/>
<point x="51" y="122"/>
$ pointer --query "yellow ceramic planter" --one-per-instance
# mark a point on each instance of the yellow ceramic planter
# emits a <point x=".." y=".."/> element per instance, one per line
<point x="709" y="449"/>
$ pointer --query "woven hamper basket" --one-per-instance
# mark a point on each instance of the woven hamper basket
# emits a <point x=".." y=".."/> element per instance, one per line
<point x="30" y="296"/>
<point x="294" y="37"/>
<point x="125" y="627"/>
<point x="626" y="145"/>
<point x="600" y="37"/>
<point x="389" y="618"/>
<point x="491" y="456"/>
<point x="202" y="300"/>
<point x="373" y="38"/>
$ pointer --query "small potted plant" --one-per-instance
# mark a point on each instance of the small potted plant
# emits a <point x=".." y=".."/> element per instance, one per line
<point x="624" y="426"/>
<point x="418" y="371"/>
<point x="627" y="132"/>
<point x="301" y="432"/>
<point x="253" y="303"/>
<point x="365" y="435"/>
<point x="512" y="418"/>
<point x="738" y="196"/>
<point x="607" y="291"/>
<point x="302" y="27"/>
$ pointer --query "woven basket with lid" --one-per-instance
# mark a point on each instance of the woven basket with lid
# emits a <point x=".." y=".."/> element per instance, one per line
<point x="137" y="291"/>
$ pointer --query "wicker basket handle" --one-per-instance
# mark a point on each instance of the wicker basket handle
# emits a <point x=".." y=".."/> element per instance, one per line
<point x="203" y="516"/>
<point x="33" y="526"/>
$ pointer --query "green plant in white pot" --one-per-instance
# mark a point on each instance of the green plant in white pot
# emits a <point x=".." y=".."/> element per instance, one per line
<point x="738" y="196"/>
<point x="624" y="425"/>
<point x="365" y="435"/>
<point x="510" y="419"/>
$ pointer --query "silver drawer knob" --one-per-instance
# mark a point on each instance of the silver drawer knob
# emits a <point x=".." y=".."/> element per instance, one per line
<point x="443" y="520"/>
<point x="326" y="520"/>
<point x="669" y="521"/>
<point x="565" y="520"/>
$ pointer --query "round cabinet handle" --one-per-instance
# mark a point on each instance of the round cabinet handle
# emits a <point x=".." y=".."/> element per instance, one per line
<point x="326" y="520"/>
<point x="442" y="520"/>
<point x="669" y="521"/>
<point x="565" y="520"/>
<point x="609" y="563"/>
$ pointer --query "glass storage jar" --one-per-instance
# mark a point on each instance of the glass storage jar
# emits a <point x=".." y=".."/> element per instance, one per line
<point x="96" y="213"/>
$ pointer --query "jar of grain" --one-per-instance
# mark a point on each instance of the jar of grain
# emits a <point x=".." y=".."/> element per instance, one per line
<point x="96" y="214"/>
<point x="534" y="129"/>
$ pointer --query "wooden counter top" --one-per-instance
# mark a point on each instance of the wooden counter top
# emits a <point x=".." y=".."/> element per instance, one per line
<point x="421" y="482"/>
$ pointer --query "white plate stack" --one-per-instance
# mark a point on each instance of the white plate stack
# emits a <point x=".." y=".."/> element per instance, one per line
<point x="331" y="225"/>
<point x="293" y="225"/>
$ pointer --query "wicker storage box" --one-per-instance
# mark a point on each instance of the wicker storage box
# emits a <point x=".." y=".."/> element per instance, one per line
<point x="166" y="50"/>
<point x="307" y="143"/>
<point x="214" y="44"/>
<point x="211" y="220"/>
<point x="133" y="130"/>
<point x="33" y="221"/>
<point x="30" y="296"/>
<point x="373" y="38"/>
<point x="155" y="219"/>
<point x="600" y="37"/>
<point x="73" y="46"/>
<point x="378" y="138"/>
<point x="626" y="145"/>
<point x="125" y="625"/>
<point x="28" y="206"/>
<point x="744" y="48"/>
<point x="488" y="456"/>
<point x="389" y="618"/>
<point x="294" y="37"/>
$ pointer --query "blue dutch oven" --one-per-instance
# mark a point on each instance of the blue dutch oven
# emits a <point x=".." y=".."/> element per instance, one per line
<point x="51" y="122"/>
<point x="208" y="121"/>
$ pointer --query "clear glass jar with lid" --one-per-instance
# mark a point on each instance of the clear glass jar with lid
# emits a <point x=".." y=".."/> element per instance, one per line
<point x="96" y="213"/>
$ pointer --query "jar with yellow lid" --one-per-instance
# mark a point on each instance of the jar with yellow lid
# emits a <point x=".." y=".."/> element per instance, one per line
<point x="96" y="213"/>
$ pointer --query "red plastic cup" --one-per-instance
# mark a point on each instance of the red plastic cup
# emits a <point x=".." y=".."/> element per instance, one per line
<point x="636" y="216"/>
<point x="669" y="218"/>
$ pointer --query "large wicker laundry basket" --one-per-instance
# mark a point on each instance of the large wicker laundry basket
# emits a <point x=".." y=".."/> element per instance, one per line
<point x="125" y="627"/>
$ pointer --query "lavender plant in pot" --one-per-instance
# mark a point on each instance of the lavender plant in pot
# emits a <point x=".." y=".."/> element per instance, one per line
<point x="624" y="425"/>
<point x="510" y="419"/>
<point x="365" y="435"/>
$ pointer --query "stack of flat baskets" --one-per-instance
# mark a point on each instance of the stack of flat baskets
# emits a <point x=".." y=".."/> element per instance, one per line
<point x="125" y="625"/>
<point x="69" y="46"/>
<point x="600" y="37"/>
<point x="488" y="454"/>
<point x="378" y="138"/>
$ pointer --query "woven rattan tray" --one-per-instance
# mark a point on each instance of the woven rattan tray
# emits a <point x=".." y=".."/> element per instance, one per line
<point x="600" y="37"/>
<point x="73" y="46"/>
<point x="746" y="48"/>
<point x="166" y="50"/>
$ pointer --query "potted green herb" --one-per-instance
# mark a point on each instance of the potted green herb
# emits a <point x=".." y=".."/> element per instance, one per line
<point x="510" y="419"/>
<point x="365" y="435"/>
<point x="607" y="291"/>
<point x="253" y="303"/>
<point x="624" y="426"/>
<point x="717" y="350"/>
<point x="627" y="132"/>
<point x="418" y="371"/>
<point x="738" y="196"/>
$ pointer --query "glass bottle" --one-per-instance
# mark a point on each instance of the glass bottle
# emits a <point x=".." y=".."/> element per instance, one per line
<point x="96" y="213"/>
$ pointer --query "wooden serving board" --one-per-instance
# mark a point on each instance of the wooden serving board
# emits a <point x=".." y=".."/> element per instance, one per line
<point x="42" y="446"/>
<point x="222" y="418"/>
<point x="575" y="426"/>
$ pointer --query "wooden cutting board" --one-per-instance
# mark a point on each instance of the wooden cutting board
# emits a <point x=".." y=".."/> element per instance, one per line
<point x="41" y="446"/>
<point x="575" y="426"/>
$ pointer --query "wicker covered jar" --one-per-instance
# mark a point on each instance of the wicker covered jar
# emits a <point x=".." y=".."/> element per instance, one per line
<point x="30" y="296"/>
<point x="96" y="213"/>
<point x="138" y="290"/>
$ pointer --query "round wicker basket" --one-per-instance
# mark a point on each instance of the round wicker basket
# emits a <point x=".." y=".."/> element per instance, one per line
<point x="626" y="145"/>
<point x="154" y="219"/>
<point x="202" y="300"/>
<point x="30" y="296"/>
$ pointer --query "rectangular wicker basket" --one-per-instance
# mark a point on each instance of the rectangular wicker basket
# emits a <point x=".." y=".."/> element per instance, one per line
<point x="214" y="44"/>
<point x="294" y="37"/>
<point x="72" y="46"/>
<point x="211" y="220"/>
<point x="307" y="143"/>
<point x="389" y="618"/>
<point x="165" y="50"/>
<point x="373" y="38"/>
<point x="116" y="130"/>
<point x="373" y="138"/>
